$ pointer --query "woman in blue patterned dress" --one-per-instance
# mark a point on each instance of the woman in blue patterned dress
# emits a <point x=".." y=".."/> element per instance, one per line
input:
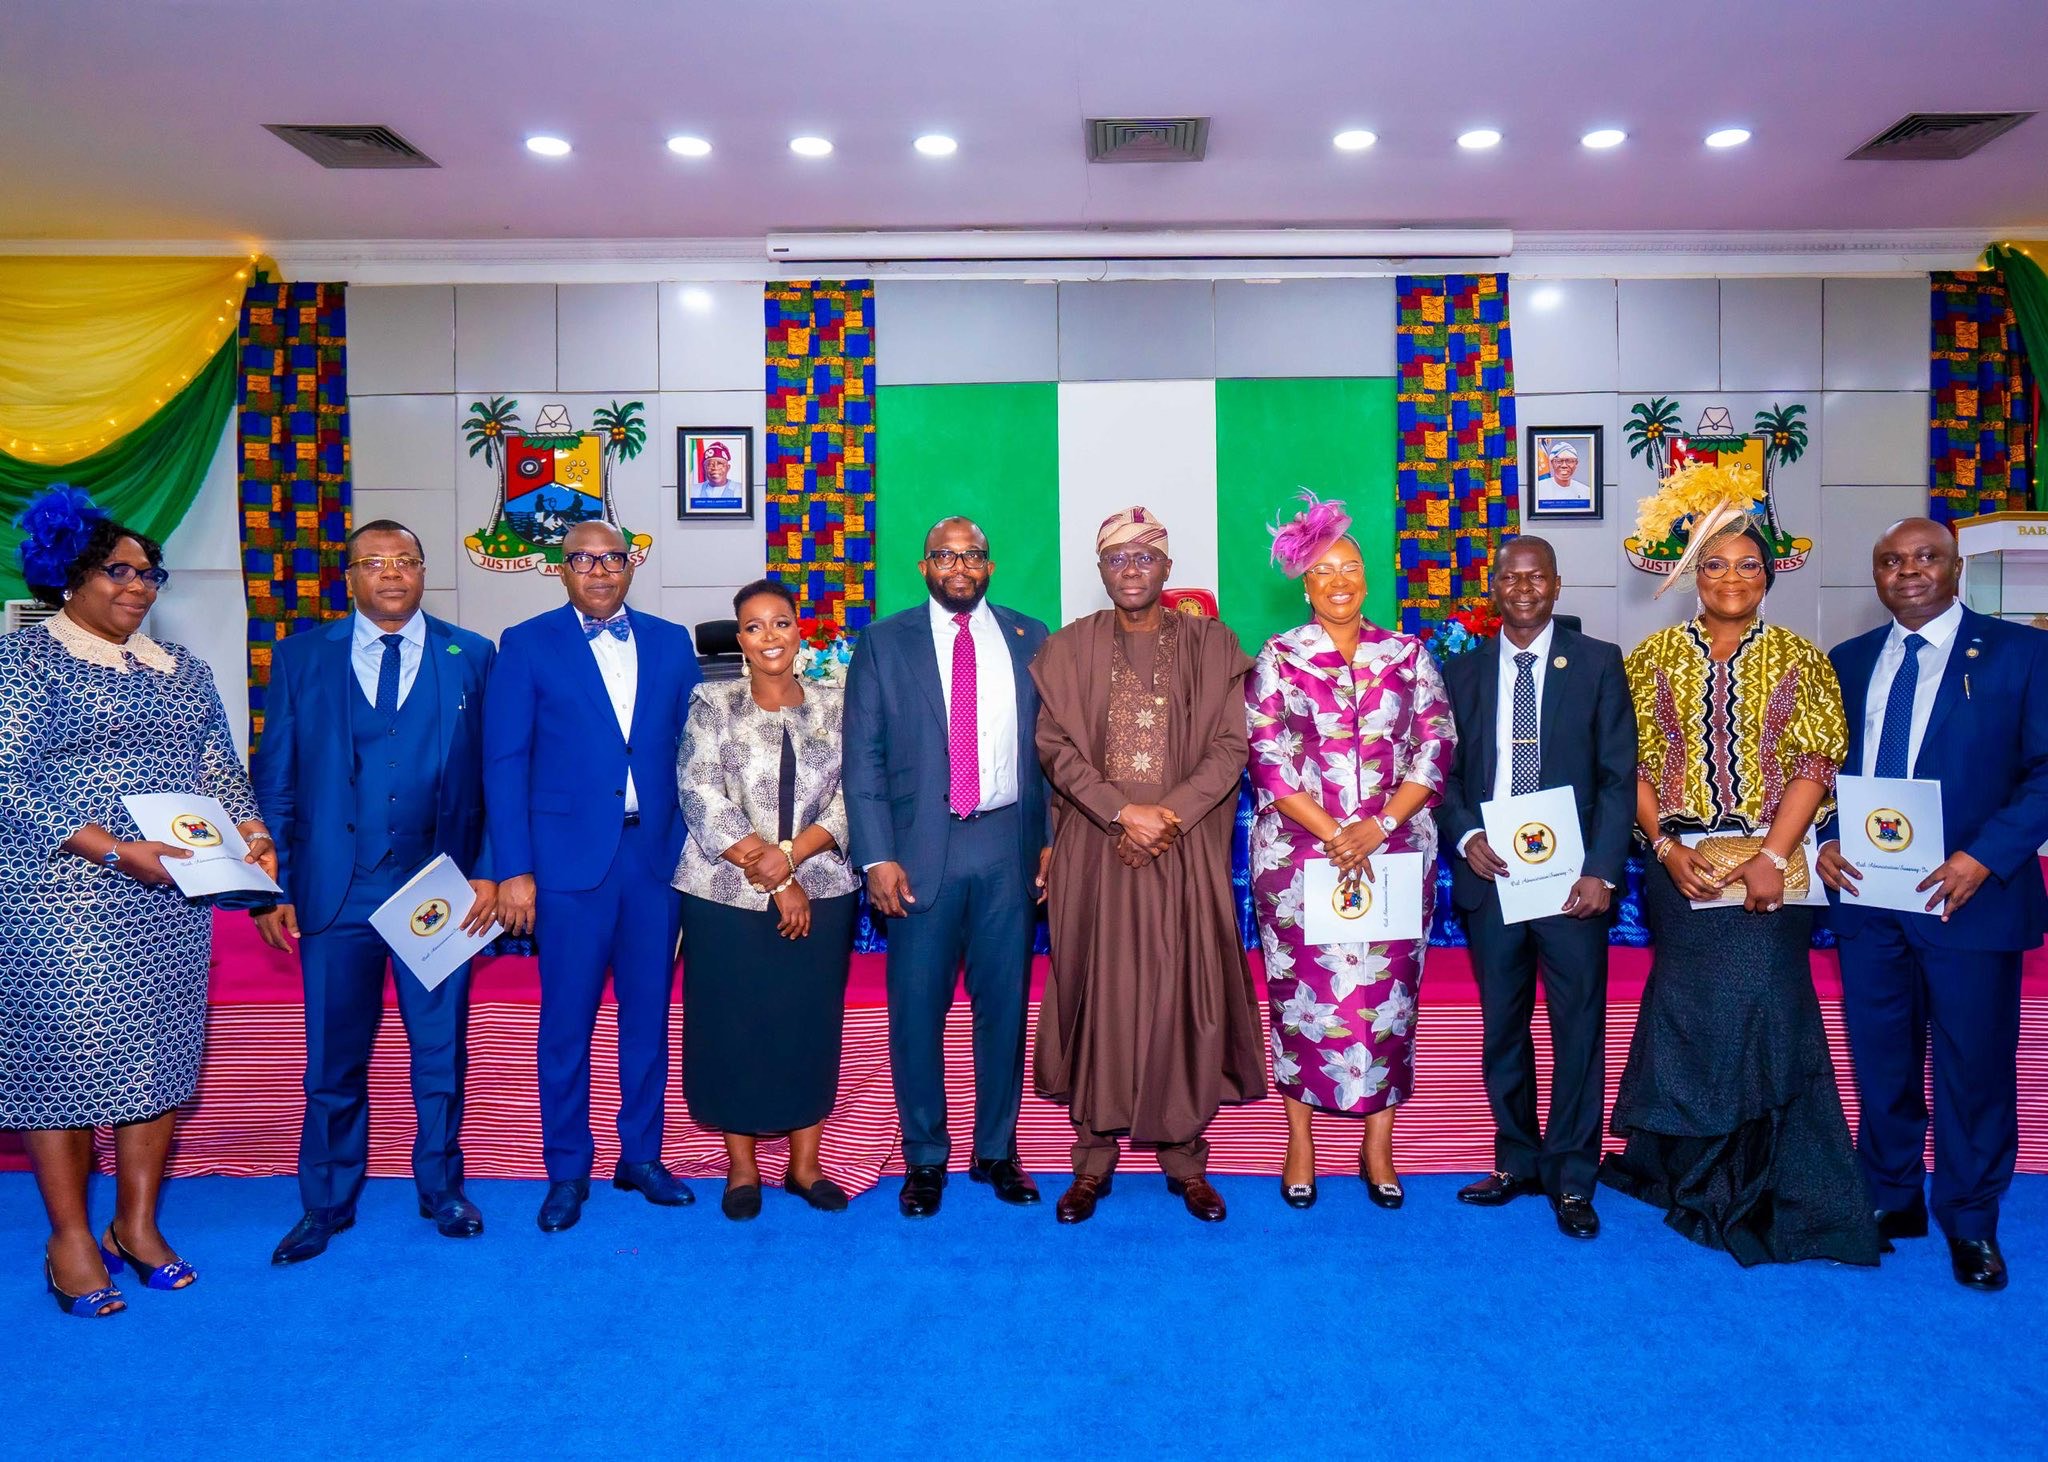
<point x="102" y="964"/>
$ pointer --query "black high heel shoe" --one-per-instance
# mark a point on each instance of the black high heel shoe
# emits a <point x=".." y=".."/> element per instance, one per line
<point x="1298" y="1195"/>
<point x="1383" y="1195"/>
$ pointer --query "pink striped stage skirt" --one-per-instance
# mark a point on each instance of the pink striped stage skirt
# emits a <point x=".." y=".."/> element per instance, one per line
<point x="244" y="1119"/>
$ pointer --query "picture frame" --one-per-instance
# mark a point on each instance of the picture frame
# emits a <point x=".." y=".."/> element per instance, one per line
<point x="1581" y="496"/>
<point x="715" y="473"/>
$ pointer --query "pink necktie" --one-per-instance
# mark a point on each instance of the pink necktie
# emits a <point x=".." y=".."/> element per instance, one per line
<point x="963" y="746"/>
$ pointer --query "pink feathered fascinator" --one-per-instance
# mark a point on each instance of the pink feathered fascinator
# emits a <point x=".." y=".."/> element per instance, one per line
<point x="1302" y="539"/>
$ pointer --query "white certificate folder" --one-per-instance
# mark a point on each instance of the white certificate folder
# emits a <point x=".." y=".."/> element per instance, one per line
<point x="422" y="922"/>
<point x="1537" y="835"/>
<point x="1386" y="909"/>
<point x="202" y="827"/>
<point x="1892" y="834"/>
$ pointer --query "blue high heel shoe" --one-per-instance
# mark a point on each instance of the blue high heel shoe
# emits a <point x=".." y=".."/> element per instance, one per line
<point x="163" y="1276"/>
<point x="91" y="1306"/>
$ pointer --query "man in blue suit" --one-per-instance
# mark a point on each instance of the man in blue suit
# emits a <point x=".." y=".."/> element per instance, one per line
<point x="1948" y="695"/>
<point x="370" y="765"/>
<point x="946" y="813"/>
<point x="585" y="717"/>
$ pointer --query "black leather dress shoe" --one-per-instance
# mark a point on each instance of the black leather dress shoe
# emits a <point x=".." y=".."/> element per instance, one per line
<point x="1077" y="1204"/>
<point x="924" y="1188"/>
<point x="1496" y="1189"/>
<point x="1576" y="1218"/>
<point x="653" y="1182"/>
<point x="1909" y="1222"/>
<point x="1203" y="1201"/>
<point x="741" y="1203"/>
<point x="1978" y="1263"/>
<point x="1011" y="1182"/>
<point x="563" y="1205"/>
<point x="454" y="1216"/>
<point x="824" y="1195"/>
<point x="308" y="1237"/>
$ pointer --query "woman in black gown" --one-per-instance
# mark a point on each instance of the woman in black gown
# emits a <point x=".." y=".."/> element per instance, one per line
<point x="1728" y="1102"/>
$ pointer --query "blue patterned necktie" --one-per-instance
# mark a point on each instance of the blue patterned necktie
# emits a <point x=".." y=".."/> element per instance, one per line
<point x="387" y="676"/>
<point x="1897" y="734"/>
<point x="1527" y="752"/>
<point x="616" y="626"/>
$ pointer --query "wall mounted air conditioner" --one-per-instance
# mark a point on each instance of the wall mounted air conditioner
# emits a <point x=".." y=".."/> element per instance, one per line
<point x="21" y="613"/>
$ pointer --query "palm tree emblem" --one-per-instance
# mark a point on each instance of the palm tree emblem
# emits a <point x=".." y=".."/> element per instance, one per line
<point x="487" y="425"/>
<point x="1650" y="427"/>
<point x="624" y="428"/>
<point x="1783" y="431"/>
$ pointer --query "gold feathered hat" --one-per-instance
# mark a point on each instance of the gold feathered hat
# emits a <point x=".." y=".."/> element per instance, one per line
<point x="1715" y="496"/>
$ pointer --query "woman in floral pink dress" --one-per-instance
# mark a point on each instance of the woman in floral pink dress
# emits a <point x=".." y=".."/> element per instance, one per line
<point x="1351" y="737"/>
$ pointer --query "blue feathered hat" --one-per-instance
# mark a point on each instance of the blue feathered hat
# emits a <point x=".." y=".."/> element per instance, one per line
<point x="54" y="527"/>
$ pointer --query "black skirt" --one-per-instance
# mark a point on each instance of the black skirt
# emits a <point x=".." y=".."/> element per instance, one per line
<point x="1728" y="1102"/>
<point x="762" y="1015"/>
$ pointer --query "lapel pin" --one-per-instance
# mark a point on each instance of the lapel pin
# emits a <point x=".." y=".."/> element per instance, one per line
<point x="455" y="649"/>
<point x="1559" y="663"/>
<point x="1971" y="653"/>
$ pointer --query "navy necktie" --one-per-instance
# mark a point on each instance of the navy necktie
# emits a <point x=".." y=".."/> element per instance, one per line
<point x="617" y="627"/>
<point x="1527" y="761"/>
<point x="387" y="676"/>
<point x="1897" y="734"/>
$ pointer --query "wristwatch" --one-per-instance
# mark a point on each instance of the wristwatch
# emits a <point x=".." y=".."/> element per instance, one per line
<point x="1388" y="825"/>
<point x="788" y="846"/>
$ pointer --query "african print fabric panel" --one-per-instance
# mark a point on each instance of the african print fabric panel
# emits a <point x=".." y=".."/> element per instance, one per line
<point x="292" y="398"/>
<point x="1981" y="389"/>
<point x="1457" y="488"/>
<point x="821" y="450"/>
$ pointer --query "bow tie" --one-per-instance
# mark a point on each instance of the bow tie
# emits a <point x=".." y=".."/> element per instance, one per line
<point x="617" y="626"/>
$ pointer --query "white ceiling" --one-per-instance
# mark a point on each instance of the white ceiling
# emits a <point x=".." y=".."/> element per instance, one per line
<point x="141" y="119"/>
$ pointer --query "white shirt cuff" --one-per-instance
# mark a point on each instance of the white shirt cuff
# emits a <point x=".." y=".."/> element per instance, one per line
<point x="1467" y="839"/>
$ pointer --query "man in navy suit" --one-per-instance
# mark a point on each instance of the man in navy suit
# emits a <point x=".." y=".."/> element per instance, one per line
<point x="1948" y="695"/>
<point x="370" y="765"/>
<point x="585" y="716"/>
<point x="946" y="811"/>
<point x="1546" y="707"/>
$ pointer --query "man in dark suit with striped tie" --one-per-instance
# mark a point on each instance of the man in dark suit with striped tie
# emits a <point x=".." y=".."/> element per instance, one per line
<point x="1548" y="708"/>
<point x="1947" y="695"/>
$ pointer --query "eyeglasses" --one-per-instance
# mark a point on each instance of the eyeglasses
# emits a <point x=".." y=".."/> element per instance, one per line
<point x="583" y="563"/>
<point x="1331" y="570"/>
<point x="127" y="573"/>
<point x="947" y="558"/>
<point x="1743" y="568"/>
<point x="405" y="563"/>
<point x="1143" y="559"/>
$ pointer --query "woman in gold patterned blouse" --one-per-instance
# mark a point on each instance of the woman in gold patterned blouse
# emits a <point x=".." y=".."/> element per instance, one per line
<point x="768" y="906"/>
<point x="1728" y="1102"/>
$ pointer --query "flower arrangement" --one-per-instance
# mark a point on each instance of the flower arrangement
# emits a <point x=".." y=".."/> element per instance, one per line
<point x="1462" y="630"/>
<point x="825" y="664"/>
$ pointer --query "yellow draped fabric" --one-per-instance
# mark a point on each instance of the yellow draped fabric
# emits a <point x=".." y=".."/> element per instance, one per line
<point x="91" y="348"/>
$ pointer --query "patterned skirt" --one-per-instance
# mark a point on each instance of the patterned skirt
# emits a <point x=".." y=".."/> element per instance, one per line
<point x="102" y="1001"/>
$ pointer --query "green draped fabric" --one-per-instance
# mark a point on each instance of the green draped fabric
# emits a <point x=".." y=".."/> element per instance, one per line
<point x="146" y="480"/>
<point x="2028" y="288"/>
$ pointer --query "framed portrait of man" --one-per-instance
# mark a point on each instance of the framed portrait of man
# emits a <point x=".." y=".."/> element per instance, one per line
<point x="715" y="472"/>
<point x="1564" y="471"/>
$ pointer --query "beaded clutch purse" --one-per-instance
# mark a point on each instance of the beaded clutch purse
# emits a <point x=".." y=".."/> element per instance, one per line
<point x="1725" y="853"/>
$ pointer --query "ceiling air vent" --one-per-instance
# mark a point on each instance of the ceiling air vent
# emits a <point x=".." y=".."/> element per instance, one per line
<point x="1147" y="139"/>
<point x="1937" y="136"/>
<point x="353" y="147"/>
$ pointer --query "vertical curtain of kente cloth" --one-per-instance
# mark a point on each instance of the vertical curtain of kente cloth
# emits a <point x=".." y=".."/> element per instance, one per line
<point x="1456" y="486"/>
<point x="821" y="450"/>
<point x="293" y="391"/>
<point x="1981" y="399"/>
<point x="2021" y="262"/>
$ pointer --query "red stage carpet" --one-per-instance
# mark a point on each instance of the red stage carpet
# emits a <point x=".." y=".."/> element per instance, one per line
<point x="244" y="1120"/>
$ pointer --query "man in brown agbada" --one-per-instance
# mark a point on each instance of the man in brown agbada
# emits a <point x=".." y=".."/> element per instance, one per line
<point x="1149" y="1020"/>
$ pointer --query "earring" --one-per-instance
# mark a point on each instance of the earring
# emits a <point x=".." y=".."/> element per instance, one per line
<point x="67" y="596"/>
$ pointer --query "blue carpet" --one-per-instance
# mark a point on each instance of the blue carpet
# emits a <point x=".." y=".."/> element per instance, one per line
<point x="1344" y="1330"/>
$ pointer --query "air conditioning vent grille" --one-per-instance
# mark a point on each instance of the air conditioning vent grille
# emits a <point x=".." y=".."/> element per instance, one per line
<point x="1147" y="139"/>
<point x="360" y="146"/>
<point x="1937" y="136"/>
<point x="21" y="613"/>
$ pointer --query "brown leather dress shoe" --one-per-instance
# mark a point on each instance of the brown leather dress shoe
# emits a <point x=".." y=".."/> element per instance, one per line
<point x="1203" y="1201"/>
<point x="1077" y="1204"/>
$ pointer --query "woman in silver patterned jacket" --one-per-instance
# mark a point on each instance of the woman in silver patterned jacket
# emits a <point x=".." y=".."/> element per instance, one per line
<point x="768" y="906"/>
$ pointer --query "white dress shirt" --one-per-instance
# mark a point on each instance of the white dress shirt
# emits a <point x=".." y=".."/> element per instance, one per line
<point x="995" y="698"/>
<point x="1504" y="710"/>
<point x="367" y="653"/>
<point x="1940" y="634"/>
<point x="618" y="661"/>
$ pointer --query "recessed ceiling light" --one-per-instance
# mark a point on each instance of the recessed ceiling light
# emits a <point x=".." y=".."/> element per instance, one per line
<point x="1356" y="140"/>
<point x="1604" y="137"/>
<point x="548" y="146"/>
<point x="936" y="144"/>
<point x="689" y="147"/>
<point x="1728" y="137"/>
<point x="1479" y="139"/>
<point x="810" y="146"/>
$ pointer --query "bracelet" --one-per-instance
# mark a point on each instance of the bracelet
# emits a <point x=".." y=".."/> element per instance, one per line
<point x="1778" y="860"/>
<point x="786" y="853"/>
<point x="782" y="885"/>
<point x="261" y="838"/>
<point x="1662" y="846"/>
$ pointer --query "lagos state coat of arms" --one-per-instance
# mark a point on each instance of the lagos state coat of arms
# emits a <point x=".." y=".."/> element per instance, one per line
<point x="1778" y="436"/>
<point x="550" y="478"/>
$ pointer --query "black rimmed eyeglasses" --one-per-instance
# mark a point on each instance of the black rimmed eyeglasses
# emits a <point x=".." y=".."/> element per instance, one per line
<point x="947" y="558"/>
<point x="583" y="563"/>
